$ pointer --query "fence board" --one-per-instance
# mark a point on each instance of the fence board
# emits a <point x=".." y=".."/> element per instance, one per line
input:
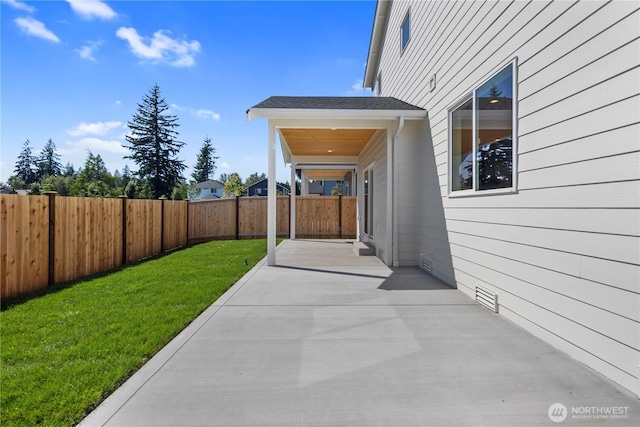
<point x="318" y="217"/>
<point x="212" y="219"/>
<point x="175" y="224"/>
<point x="143" y="229"/>
<point x="88" y="236"/>
<point x="349" y="216"/>
<point x="25" y="260"/>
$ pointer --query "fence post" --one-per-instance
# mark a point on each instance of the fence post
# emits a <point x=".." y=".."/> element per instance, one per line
<point x="188" y="222"/>
<point x="124" y="229"/>
<point x="52" y="236"/>
<point x="162" y="199"/>
<point x="237" y="217"/>
<point x="340" y="216"/>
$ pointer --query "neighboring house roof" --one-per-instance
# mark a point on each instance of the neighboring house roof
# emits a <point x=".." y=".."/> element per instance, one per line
<point x="278" y="185"/>
<point x="211" y="183"/>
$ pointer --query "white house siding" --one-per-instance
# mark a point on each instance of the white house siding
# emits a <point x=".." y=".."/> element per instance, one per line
<point x="375" y="153"/>
<point x="563" y="252"/>
<point x="408" y="186"/>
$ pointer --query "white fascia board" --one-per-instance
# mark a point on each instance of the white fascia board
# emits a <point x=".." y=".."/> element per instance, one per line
<point x="376" y="43"/>
<point x="336" y="114"/>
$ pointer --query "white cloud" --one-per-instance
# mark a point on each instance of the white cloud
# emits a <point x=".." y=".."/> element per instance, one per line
<point x="36" y="28"/>
<point x="20" y="5"/>
<point x="224" y="165"/>
<point x="92" y="9"/>
<point x="176" y="107"/>
<point x="87" y="51"/>
<point x="97" y="145"/>
<point x="118" y="103"/>
<point x="357" y="89"/>
<point x="160" y="48"/>
<point x="98" y="128"/>
<point x="208" y="114"/>
<point x="110" y="149"/>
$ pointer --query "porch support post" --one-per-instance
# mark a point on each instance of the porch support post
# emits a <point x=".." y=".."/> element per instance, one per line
<point x="304" y="187"/>
<point x="292" y="205"/>
<point x="396" y="195"/>
<point x="389" y="202"/>
<point x="271" y="199"/>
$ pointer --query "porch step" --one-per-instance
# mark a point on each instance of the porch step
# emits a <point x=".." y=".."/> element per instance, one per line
<point x="363" y="249"/>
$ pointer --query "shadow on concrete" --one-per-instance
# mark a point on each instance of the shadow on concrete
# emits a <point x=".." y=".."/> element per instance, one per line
<point x="412" y="279"/>
<point x="338" y="272"/>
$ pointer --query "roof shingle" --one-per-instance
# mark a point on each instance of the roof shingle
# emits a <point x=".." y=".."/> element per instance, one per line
<point x="335" y="103"/>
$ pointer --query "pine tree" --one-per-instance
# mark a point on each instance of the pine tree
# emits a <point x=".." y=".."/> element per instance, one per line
<point x="26" y="164"/>
<point x="153" y="144"/>
<point x="49" y="161"/>
<point x="205" y="165"/>
<point x="94" y="180"/>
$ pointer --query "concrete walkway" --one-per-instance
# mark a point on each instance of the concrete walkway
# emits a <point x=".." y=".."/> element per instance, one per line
<point x="328" y="338"/>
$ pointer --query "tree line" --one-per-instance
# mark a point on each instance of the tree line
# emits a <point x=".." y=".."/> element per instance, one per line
<point x="154" y="148"/>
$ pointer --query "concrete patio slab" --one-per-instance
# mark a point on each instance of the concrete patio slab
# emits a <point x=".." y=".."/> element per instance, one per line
<point x="331" y="338"/>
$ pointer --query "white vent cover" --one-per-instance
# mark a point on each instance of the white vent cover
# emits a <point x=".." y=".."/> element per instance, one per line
<point x="426" y="265"/>
<point x="487" y="298"/>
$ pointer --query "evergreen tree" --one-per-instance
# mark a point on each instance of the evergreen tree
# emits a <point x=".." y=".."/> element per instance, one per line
<point x="153" y="144"/>
<point x="224" y="177"/>
<point x="205" y="163"/>
<point x="126" y="175"/>
<point x="25" y="166"/>
<point x="69" y="170"/>
<point x="94" y="180"/>
<point x="49" y="161"/>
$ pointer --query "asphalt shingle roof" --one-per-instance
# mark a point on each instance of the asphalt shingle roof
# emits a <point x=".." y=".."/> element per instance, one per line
<point x="336" y="103"/>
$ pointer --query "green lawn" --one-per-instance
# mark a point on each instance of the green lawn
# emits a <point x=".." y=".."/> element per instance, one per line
<point x="63" y="352"/>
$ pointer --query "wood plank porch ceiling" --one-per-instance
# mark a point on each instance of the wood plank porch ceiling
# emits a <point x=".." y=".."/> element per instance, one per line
<point x="326" y="142"/>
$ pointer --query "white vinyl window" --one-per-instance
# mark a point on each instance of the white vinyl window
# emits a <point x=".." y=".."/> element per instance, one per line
<point x="482" y="129"/>
<point x="405" y="30"/>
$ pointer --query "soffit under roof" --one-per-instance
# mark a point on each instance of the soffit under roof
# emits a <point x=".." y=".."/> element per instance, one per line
<point x="326" y="142"/>
<point x="327" y="175"/>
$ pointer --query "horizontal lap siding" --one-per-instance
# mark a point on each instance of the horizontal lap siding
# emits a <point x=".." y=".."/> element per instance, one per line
<point x="375" y="153"/>
<point x="408" y="186"/>
<point x="563" y="252"/>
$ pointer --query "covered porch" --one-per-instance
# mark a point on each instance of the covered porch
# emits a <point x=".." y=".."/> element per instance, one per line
<point x="324" y="138"/>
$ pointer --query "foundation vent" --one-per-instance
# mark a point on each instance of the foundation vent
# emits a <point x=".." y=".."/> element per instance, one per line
<point x="426" y="265"/>
<point x="487" y="298"/>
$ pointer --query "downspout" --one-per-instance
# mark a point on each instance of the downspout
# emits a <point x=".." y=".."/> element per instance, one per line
<point x="396" y="199"/>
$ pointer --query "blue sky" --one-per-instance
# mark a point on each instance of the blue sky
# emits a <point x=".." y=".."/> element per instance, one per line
<point x="75" y="71"/>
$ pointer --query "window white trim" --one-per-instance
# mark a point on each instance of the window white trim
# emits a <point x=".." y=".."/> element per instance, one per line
<point x="368" y="225"/>
<point x="405" y="22"/>
<point x="514" y="137"/>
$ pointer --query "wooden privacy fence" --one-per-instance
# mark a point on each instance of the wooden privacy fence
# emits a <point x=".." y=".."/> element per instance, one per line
<point x="47" y="239"/>
<point x="246" y="218"/>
